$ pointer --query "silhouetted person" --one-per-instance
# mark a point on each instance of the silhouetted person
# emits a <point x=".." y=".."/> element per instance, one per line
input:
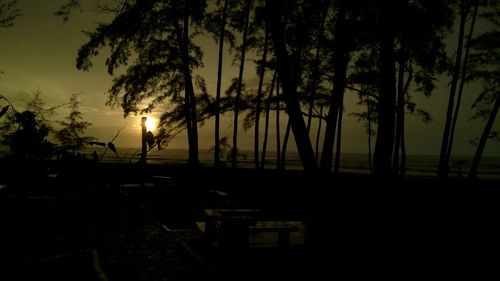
<point x="95" y="157"/>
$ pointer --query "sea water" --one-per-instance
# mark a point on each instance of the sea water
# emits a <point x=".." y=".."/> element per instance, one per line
<point x="416" y="165"/>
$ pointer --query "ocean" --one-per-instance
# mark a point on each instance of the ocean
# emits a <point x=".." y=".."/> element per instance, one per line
<point x="417" y="165"/>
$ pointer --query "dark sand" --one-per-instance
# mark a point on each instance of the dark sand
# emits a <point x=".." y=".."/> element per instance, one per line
<point x="358" y="227"/>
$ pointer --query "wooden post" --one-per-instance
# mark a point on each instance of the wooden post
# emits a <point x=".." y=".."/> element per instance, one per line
<point x="143" y="140"/>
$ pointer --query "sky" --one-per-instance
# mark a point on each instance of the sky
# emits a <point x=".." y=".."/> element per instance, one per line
<point x="39" y="53"/>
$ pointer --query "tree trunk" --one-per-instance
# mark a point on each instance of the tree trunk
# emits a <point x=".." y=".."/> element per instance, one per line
<point x="369" y="109"/>
<point x="291" y="97"/>
<point x="340" y="62"/>
<point x="219" y="83"/>
<point x="189" y="97"/>
<point x="402" y="167"/>
<point x="315" y="70"/>
<point x="387" y="97"/>
<point x="400" y="109"/>
<point x="484" y="137"/>
<point x="285" y="144"/>
<point x="319" y="131"/>
<point x="144" y="150"/>
<point x="443" y="164"/>
<point x="240" y="83"/>
<point x="278" y="135"/>
<point x="339" y="136"/>
<point x="259" y="99"/>
<point x="266" y="127"/>
<point x="462" y="83"/>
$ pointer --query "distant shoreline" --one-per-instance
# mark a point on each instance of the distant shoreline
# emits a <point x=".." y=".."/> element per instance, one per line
<point x="356" y="163"/>
<point x="417" y="165"/>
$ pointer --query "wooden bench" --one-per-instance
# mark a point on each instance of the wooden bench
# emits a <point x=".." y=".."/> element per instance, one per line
<point x="228" y="226"/>
<point x="284" y="231"/>
<point x="232" y="228"/>
<point x="163" y="180"/>
<point x="222" y="213"/>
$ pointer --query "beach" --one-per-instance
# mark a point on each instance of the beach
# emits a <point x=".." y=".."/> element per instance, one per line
<point x="417" y="165"/>
<point x="141" y="222"/>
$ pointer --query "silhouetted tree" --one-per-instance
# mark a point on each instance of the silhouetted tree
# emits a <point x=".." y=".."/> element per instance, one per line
<point x="66" y="9"/>
<point x="259" y="20"/>
<point x="224" y="147"/>
<point x="363" y="81"/>
<point x="237" y="100"/>
<point x="318" y="133"/>
<point x="401" y="99"/>
<point x="340" y="59"/>
<point x="5" y="108"/>
<point x="316" y="45"/>
<point x="474" y="11"/>
<point x="408" y="34"/>
<point x="338" y="149"/>
<point x="464" y="9"/>
<point x="216" y="24"/>
<point x="8" y="13"/>
<point x="278" y="125"/>
<point x="485" y="58"/>
<point x="71" y="136"/>
<point x="287" y="78"/>
<point x="420" y="56"/>
<point x="30" y="139"/>
<point x="157" y="35"/>
<point x="386" y="27"/>
<point x="285" y="145"/>
<point x="191" y="9"/>
<point x="369" y="117"/>
<point x="315" y="65"/>
<point x="266" y="123"/>
<point x="26" y="132"/>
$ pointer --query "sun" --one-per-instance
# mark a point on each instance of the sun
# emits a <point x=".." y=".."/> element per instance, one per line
<point x="151" y="123"/>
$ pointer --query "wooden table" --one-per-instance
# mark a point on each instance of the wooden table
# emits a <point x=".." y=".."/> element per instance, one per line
<point x="231" y="228"/>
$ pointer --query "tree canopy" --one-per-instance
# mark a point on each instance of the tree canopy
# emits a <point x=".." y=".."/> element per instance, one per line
<point x="322" y="50"/>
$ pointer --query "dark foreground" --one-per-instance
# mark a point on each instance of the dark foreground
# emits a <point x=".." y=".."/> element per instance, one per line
<point x="121" y="222"/>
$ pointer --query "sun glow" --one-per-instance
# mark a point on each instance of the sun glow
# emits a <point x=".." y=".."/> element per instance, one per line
<point x="151" y="124"/>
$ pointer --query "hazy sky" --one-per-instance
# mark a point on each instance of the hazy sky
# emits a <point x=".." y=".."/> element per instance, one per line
<point x="39" y="52"/>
